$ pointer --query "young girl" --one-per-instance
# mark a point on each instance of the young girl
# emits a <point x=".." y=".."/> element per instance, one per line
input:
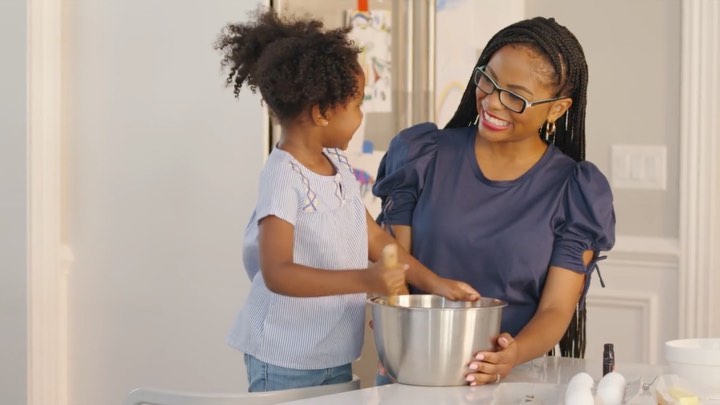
<point x="310" y="237"/>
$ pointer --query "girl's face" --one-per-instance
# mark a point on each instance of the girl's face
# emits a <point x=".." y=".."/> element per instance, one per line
<point x="344" y="120"/>
<point x="522" y="71"/>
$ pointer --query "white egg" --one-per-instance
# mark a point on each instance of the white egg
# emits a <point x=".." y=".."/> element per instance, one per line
<point x="581" y="380"/>
<point x="613" y="379"/>
<point x="579" y="396"/>
<point x="611" y="389"/>
<point x="610" y="395"/>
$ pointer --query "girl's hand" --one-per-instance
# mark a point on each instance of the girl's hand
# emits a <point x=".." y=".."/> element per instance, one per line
<point x="380" y="368"/>
<point x="387" y="281"/>
<point x="490" y="367"/>
<point x="455" y="290"/>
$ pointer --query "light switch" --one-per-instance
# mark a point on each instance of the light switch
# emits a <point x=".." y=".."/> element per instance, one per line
<point x="641" y="167"/>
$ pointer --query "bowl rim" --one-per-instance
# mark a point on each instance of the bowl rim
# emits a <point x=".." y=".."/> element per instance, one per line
<point x="676" y="353"/>
<point x="372" y="300"/>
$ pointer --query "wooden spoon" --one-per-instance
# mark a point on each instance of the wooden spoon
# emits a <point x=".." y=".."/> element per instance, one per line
<point x="390" y="260"/>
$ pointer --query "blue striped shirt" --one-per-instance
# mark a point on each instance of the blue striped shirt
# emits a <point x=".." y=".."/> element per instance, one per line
<point x="330" y="233"/>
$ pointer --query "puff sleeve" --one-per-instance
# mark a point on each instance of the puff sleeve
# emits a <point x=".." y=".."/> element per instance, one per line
<point x="585" y="220"/>
<point x="402" y="171"/>
<point x="279" y="193"/>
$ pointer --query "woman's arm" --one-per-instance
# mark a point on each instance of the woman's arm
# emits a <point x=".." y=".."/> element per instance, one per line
<point x="283" y="276"/>
<point x="403" y="235"/>
<point x="417" y="274"/>
<point x="559" y="298"/>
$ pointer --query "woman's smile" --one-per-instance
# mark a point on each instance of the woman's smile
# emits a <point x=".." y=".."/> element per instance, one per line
<point x="492" y="122"/>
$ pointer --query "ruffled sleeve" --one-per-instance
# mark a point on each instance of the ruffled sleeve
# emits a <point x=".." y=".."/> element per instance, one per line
<point x="280" y="193"/>
<point x="585" y="220"/>
<point x="401" y="175"/>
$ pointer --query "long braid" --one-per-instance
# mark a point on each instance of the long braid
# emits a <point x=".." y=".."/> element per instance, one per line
<point x="564" y="52"/>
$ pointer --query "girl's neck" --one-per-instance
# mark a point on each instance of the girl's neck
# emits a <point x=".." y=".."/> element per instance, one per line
<point x="306" y="149"/>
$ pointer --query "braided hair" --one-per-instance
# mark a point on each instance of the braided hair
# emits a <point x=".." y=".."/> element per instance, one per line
<point x="294" y="62"/>
<point x="559" y="46"/>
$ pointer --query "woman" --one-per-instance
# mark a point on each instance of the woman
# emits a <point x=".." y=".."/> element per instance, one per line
<point x="502" y="198"/>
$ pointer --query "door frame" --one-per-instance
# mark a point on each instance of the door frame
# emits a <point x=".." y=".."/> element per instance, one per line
<point x="47" y="268"/>
<point x="699" y="215"/>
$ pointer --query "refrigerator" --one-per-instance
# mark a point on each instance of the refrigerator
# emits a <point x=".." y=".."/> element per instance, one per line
<point x="410" y="40"/>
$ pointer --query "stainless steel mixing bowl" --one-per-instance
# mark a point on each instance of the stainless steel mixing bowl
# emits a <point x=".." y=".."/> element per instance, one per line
<point x="429" y="340"/>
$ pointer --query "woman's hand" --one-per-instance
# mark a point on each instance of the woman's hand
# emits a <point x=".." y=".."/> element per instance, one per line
<point x="454" y="290"/>
<point x="490" y="367"/>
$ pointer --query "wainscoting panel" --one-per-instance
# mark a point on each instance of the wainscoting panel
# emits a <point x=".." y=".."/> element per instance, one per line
<point x="637" y="310"/>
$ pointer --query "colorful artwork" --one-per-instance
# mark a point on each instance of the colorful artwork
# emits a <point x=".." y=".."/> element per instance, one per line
<point x="371" y="32"/>
<point x="455" y="55"/>
<point x="365" y="167"/>
<point x="366" y="181"/>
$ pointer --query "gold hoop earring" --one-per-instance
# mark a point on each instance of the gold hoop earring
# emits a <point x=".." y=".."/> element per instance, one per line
<point x="550" y="128"/>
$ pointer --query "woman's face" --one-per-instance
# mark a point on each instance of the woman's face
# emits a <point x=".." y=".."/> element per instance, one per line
<point x="523" y="71"/>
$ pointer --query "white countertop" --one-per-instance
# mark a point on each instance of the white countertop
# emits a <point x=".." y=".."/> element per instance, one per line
<point x="545" y="378"/>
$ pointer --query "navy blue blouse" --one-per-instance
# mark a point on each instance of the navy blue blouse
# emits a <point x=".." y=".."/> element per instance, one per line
<point x="500" y="237"/>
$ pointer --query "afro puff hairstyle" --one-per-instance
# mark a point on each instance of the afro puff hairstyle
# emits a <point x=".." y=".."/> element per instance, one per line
<point x="294" y="63"/>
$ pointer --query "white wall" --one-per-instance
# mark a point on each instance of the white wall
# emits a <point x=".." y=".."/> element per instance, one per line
<point x="13" y="203"/>
<point x="161" y="176"/>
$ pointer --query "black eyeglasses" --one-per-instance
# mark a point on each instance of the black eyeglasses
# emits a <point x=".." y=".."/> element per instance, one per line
<point x="513" y="101"/>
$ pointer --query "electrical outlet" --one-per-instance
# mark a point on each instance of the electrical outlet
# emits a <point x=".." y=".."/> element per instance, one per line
<point x="640" y="167"/>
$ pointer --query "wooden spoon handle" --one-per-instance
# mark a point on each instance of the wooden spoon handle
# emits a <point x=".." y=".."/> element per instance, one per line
<point x="390" y="260"/>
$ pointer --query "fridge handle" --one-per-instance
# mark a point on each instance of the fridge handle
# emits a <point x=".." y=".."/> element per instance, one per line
<point x="421" y="77"/>
<point x="430" y="104"/>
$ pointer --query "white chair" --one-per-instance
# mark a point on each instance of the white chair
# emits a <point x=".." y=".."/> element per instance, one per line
<point x="149" y="396"/>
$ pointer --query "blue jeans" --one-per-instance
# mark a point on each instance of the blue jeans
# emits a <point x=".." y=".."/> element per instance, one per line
<point x="267" y="377"/>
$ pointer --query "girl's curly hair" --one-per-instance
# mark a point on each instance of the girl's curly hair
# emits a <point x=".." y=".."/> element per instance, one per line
<point x="294" y="62"/>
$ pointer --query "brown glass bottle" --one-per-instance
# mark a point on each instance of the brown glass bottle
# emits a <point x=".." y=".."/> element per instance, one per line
<point x="608" y="358"/>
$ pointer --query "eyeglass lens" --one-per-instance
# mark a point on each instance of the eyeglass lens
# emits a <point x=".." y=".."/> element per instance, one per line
<point x="487" y="86"/>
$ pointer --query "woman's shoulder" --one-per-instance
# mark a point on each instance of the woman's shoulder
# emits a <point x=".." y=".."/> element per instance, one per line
<point x="588" y="214"/>
<point x="590" y="184"/>
<point x="572" y="170"/>
<point x="585" y="184"/>
<point x="427" y="134"/>
<point x="415" y="138"/>
<point x="587" y="170"/>
<point x="421" y="142"/>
